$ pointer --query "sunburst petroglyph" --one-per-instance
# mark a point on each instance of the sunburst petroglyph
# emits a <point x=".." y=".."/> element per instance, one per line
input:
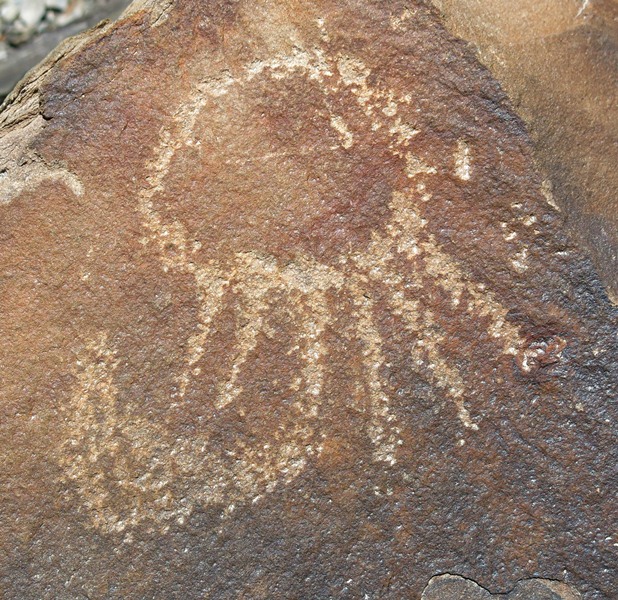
<point x="108" y="444"/>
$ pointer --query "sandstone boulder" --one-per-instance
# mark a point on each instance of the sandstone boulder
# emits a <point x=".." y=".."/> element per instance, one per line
<point x="287" y="314"/>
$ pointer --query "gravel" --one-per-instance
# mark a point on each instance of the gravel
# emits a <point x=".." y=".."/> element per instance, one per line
<point x="21" y="20"/>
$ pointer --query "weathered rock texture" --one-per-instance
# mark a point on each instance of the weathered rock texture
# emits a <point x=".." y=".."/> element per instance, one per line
<point x="286" y="314"/>
<point x="453" y="587"/>
<point x="556" y="59"/>
<point x="15" y="61"/>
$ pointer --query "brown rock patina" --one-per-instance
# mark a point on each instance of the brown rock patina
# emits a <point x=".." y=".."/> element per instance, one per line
<point x="287" y="315"/>
<point x="557" y="60"/>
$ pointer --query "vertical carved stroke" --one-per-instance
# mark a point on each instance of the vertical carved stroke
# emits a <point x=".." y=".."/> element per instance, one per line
<point x="381" y="429"/>
<point x="255" y="282"/>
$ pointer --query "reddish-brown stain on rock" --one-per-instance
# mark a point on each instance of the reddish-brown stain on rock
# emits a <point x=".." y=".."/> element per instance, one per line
<point x="287" y="315"/>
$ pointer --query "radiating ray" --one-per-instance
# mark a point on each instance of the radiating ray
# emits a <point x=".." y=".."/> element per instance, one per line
<point x="382" y="431"/>
<point x="406" y="230"/>
<point x="311" y="280"/>
<point x="252" y="314"/>
<point x="425" y="351"/>
<point x="256" y="276"/>
<point x="211" y="290"/>
<point x="314" y="316"/>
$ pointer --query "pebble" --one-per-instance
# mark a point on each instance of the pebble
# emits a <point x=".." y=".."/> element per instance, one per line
<point x="58" y="5"/>
<point x="8" y="13"/>
<point x="32" y="12"/>
<point x="20" y="20"/>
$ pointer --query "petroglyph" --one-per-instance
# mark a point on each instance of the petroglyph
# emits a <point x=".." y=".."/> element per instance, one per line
<point x="415" y="166"/>
<point x="347" y="139"/>
<point x="178" y="472"/>
<point x="125" y="466"/>
<point x="279" y="346"/>
<point x="399" y="23"/>
<point x="462" y="161"/>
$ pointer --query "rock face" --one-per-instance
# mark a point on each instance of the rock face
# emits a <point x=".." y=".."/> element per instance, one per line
<point x="453" y="587"/>
<point x="286" y="314"/>
<point x="557" y="60"/>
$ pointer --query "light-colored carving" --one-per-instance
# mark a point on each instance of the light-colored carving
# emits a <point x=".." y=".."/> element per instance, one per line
<point x="399" y="23"/>
<point x="463" y="160"/>
<point x="347" y="139"/>
<point x="130" y="470"/>
<point x="382" y="429"/>
<point x="415" y="166"/>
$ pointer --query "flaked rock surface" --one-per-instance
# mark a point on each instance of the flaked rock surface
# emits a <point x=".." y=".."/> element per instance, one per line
<point x="455" y="587"/>
<point x="286" y="314"/>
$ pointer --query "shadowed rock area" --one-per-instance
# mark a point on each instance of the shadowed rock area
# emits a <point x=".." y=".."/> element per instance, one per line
<point x="556" y="59"/>
<point x="287" y="314"/>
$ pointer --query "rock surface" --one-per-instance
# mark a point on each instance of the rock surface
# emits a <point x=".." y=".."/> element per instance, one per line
<point x="453" y="587"/>
<point x="286" y="314"/>
<point x="23" y="46"/>
<point x="556" y="59"/>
